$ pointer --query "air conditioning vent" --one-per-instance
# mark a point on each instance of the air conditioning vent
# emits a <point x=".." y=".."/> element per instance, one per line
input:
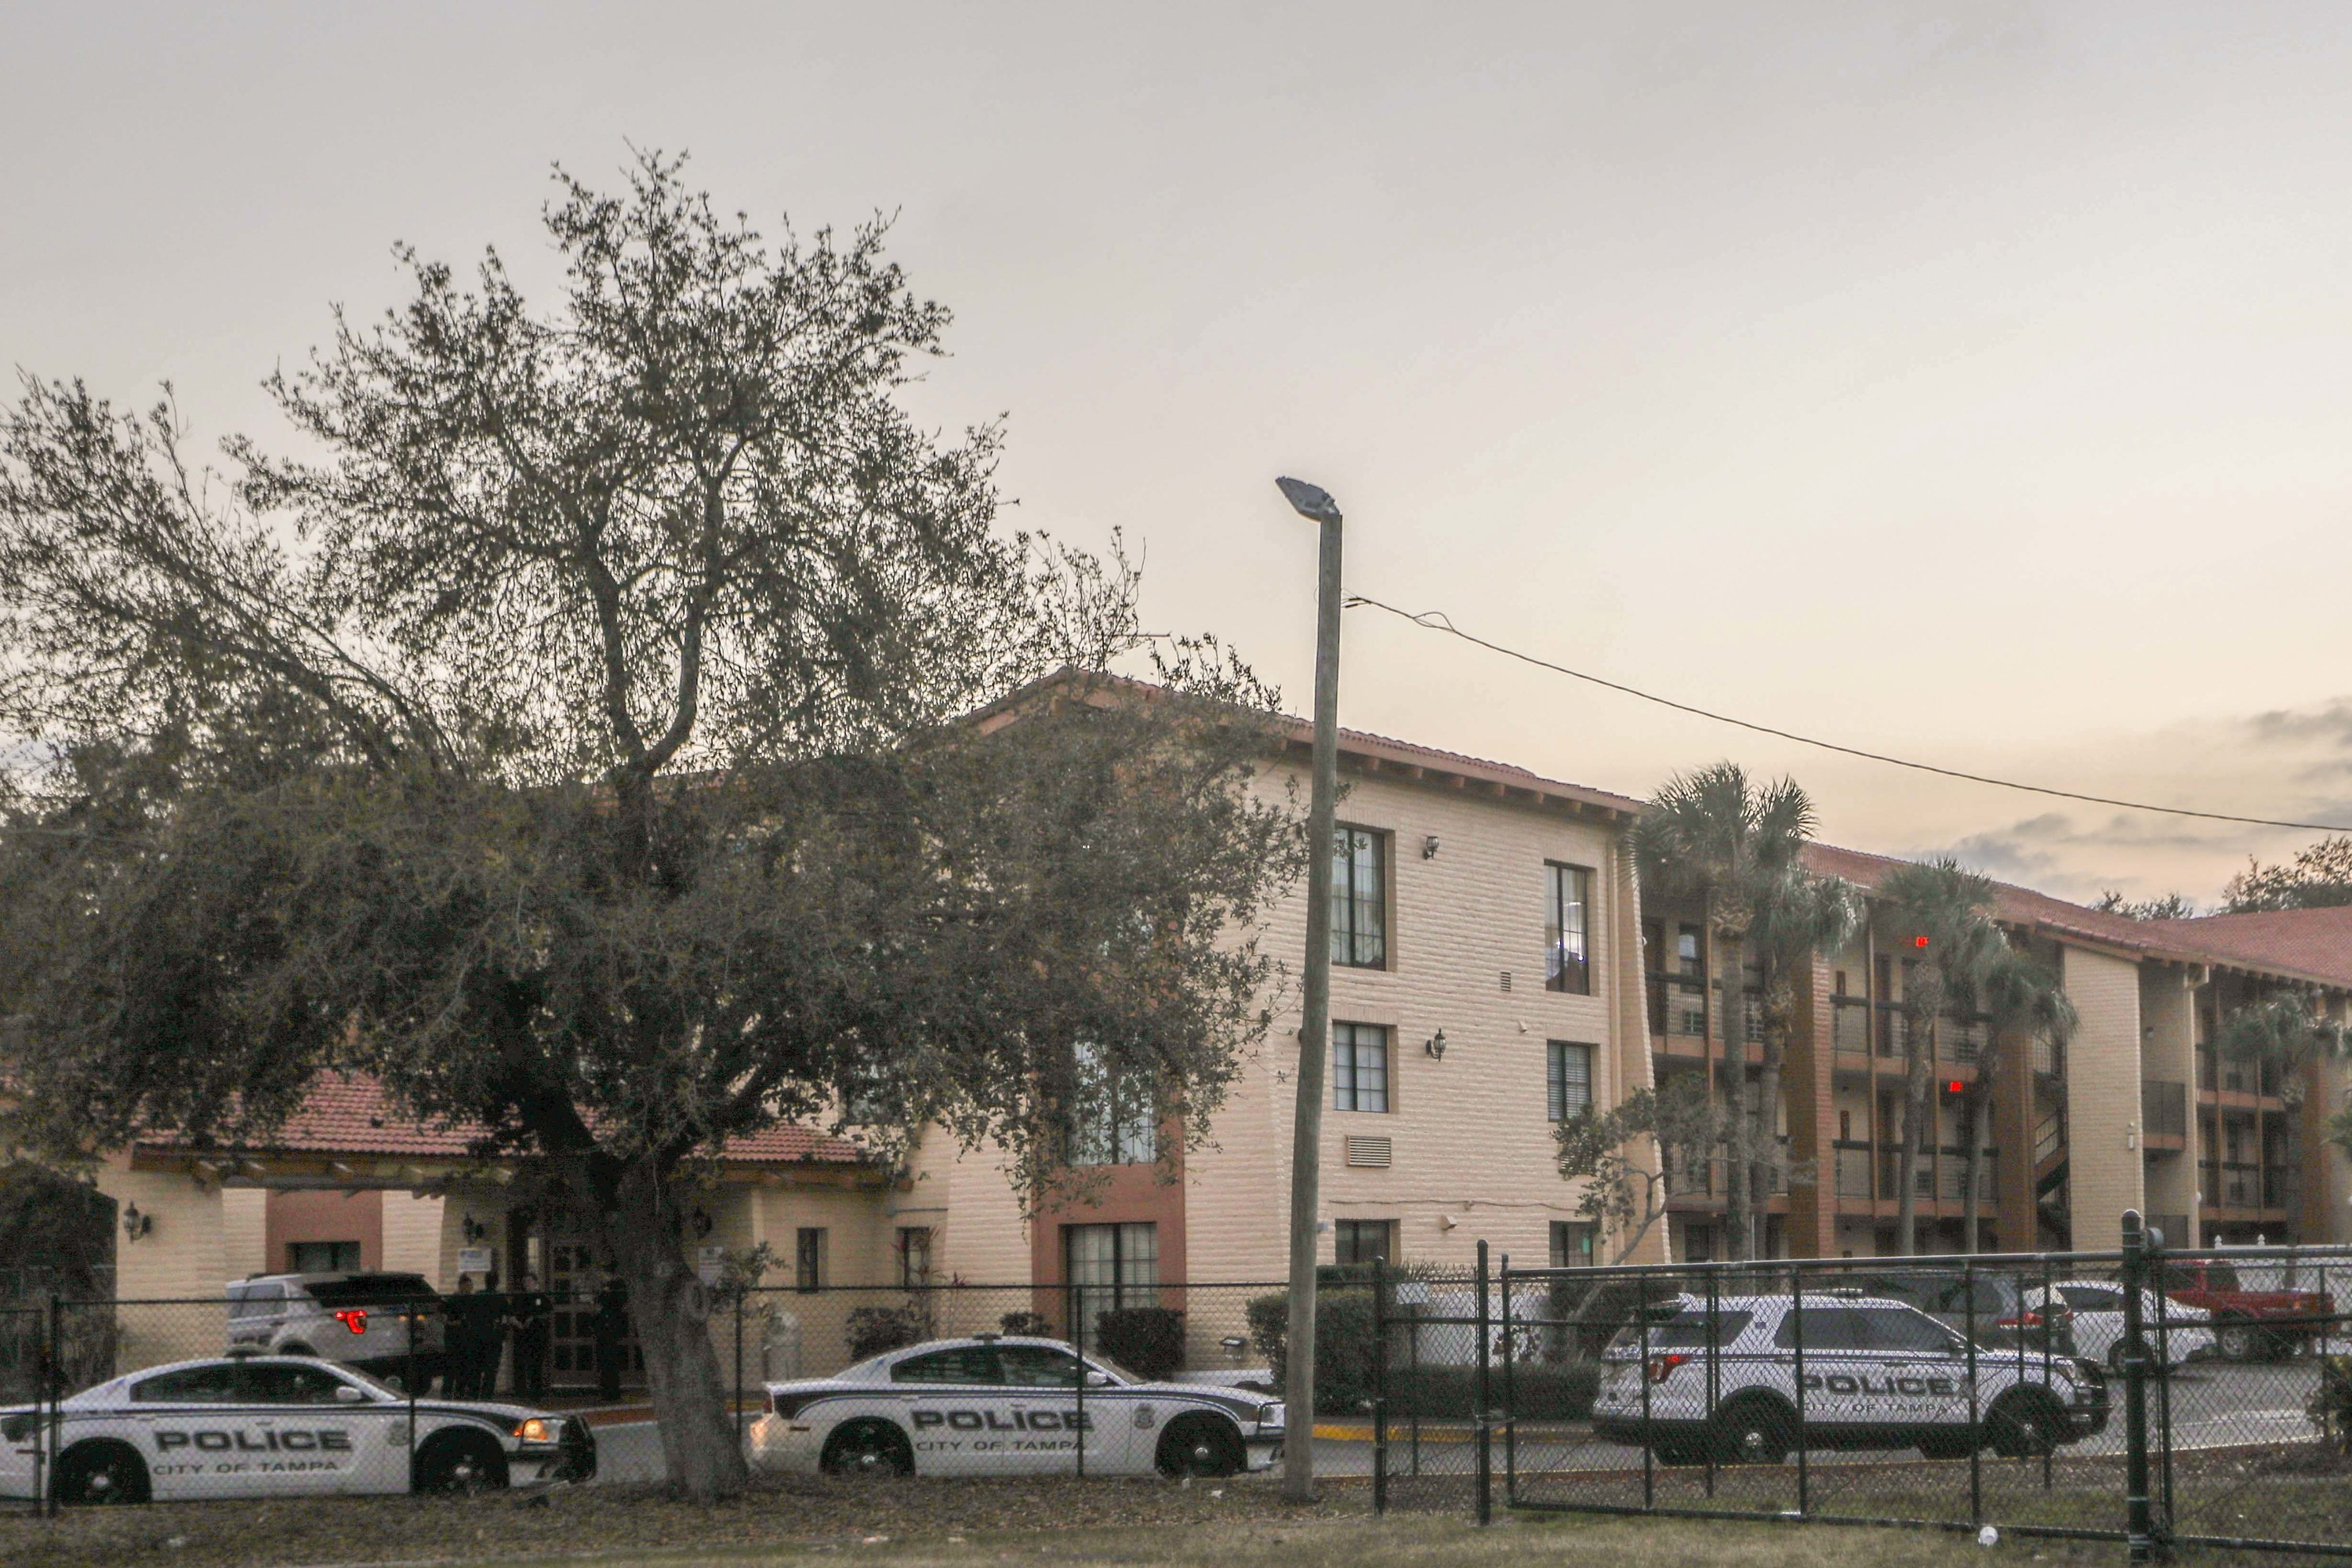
<point x="1507" y="980"/>
<point x="1368" y="1150"/>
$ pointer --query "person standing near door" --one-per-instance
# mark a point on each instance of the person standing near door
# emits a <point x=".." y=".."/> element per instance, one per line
<point x="491" y="1347"/>
<point x="460" y="1339"/>
<point x="610" y="1326"/>
<point x="533" y="1314"/>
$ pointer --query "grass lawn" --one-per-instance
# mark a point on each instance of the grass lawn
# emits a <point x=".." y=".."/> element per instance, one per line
<point x="802" y="1523"/>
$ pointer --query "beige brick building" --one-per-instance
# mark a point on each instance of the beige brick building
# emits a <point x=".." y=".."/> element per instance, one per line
<point x="1495" y="971"/>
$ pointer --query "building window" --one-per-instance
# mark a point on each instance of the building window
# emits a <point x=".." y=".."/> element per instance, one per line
<point x="1569" y="1080"/>
<point x="1117" y="1121"/>
<point x="322" y="1258"/>
<point x="1568" y="954"/>
<point x="914" y="1251"/>
<point x="1109" y="1266"/>
<point x="1571" y="1243"/>
<point x="1359" y="910"/>
<point x="1360" y="1067"/>
<point x="808" y="1258"/>
<point x="1364" y="1241"/>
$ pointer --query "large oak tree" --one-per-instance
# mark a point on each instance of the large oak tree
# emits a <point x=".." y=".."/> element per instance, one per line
<point x="579" y="734"/>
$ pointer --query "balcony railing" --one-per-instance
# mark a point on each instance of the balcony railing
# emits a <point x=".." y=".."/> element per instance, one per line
<point x="1850" y="1024"/>
<point x="1853" y="1170"/>
<point x="1677" y="1005"/>
<point x="2231" y="1185"/>
<point x="1941" y="1173"/>
<point x="2163" y="1107"/>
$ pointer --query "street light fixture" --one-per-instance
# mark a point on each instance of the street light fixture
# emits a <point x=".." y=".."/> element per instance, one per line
<point x="1314" y="503"/>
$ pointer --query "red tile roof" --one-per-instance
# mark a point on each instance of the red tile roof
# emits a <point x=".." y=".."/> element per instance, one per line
<point x="2304" y="944"/>
<point x="2314" y="944"/>
<point x="351" y="1114"/>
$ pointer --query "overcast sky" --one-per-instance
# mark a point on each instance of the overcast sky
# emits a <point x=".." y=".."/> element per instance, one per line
<point x="1968" y="381"/>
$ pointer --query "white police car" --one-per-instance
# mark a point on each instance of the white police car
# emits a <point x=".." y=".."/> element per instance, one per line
<point x="244" y="1426"/>
<point x="1877" y="1373"/>
<point x="1007" y="1405"/>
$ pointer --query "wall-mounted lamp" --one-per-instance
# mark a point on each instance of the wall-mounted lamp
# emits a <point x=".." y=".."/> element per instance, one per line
<point x="1447" y="1221"/>
<point x="472" y="1229"/>
<point x="701" y="1223"/>
<point x="1435" y="1045"/>
<point x="1429" y="848"/>
<point x="136" y="1225"/>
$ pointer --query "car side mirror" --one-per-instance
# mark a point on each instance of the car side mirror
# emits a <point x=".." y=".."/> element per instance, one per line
<point x="346" y="1394"/>
<point x="1099" y="1380"/>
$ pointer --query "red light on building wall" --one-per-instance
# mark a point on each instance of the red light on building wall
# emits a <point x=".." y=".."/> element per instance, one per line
<point x="1918" y="942"/>
<point x="1955" y="1086"/>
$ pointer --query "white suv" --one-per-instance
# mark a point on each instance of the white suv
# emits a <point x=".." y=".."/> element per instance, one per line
<point x="1877" y="1373"/>
<point x="365" y="1321"/>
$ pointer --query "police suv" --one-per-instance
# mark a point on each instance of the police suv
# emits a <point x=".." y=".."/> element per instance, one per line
<point x="1006" y="1406"/>
<point x="385" y="1323"/>
<point x="276" y="1426"/>
<point x="1876" y="1373"/>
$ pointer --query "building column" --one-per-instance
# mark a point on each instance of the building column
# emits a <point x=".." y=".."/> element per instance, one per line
<point x="1807" y="1085"/>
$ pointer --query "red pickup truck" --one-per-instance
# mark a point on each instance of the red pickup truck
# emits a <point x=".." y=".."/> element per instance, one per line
<point x="2249" y="1324"/>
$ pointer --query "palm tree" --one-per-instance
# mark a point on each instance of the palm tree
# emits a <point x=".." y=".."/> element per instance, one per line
<point x="2024" y="999"/>
<point x="1713" y="838"/>
<point x="2282" y="1032"/>
<point x="1944" y="911"/>
<point x="1795" y="918"/>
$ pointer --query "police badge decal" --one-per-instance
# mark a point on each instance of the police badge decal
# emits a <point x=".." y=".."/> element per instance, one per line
<point x="1146" y="1417"/>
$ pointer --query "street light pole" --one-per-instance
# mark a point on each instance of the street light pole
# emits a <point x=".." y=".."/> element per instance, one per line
<point x="1314" y="503"/>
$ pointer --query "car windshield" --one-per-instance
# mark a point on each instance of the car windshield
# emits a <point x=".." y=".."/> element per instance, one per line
<point x="370" y="1290"/>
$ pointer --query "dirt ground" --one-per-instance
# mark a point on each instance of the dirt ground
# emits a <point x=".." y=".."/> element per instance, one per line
<point x="959" y="1524"/>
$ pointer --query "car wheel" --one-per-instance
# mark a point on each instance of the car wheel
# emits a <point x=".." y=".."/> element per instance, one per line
<point x="2023" y="1428"/>
<point x="868" y="1447"/>
<point x="2239" y="1339"/>
<point x="95" y="1473"/>
<point x="1755" y="1432"/>
<point x="460" y="1464"/>
<point x="2116" y="1359"/>
<point x="1200" y="1446"/>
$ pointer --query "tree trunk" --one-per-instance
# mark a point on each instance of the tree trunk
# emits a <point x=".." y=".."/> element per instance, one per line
<point x="1766" y="1158"/>
<point x="1914" y="1116"/>
<point x="1738" y="1140"/>
<point x="1979" y="1106"/>
<point x="671" y="1310"/>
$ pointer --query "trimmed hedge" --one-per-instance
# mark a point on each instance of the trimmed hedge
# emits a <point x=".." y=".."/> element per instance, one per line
<point x="1147" y="1341"/>
<point x="1346" y="1373"/>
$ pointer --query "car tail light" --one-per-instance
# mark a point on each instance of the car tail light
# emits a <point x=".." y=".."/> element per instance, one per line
<point x="1663" y="1366"/>
<point x="353" y="1317"/>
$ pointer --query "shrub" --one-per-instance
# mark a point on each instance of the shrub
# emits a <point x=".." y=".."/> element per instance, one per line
<point x="2330" y="1405"/>
<point x="1147" y="1341"/>
<point x="1028" y="1325"/>
<point x="1344" y="1349"/>
<point x="873" y="1329"/>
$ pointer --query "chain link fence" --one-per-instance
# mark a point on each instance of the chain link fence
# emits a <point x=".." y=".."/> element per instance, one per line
<point x="359" y="1384"/>
<point x="2149" y="1396"/>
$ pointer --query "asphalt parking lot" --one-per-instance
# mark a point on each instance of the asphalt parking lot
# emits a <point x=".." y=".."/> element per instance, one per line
<point x="2214" y="1405"/>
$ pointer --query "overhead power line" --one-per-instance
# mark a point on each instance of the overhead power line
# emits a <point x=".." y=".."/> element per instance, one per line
<point x="1438" y="621"/>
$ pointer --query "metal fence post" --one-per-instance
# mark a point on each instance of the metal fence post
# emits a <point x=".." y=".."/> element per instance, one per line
<point x="1480" y="1428"/>
<point x="2138" y="1523"/>
<point x="416" y="1331"/>
<point x="1797" y="1310"/>
<point x="1714" y="1367"/>
<point x="1510" y="1390"/>
<point x="1976" y="1412"/>
<point x="53" y="1381"/>
<point x="1075" y="1306"/>
<point x="1380" y="1388"/>
<point x="1649" y="1435"/>
<point x="739" y="1294"/>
